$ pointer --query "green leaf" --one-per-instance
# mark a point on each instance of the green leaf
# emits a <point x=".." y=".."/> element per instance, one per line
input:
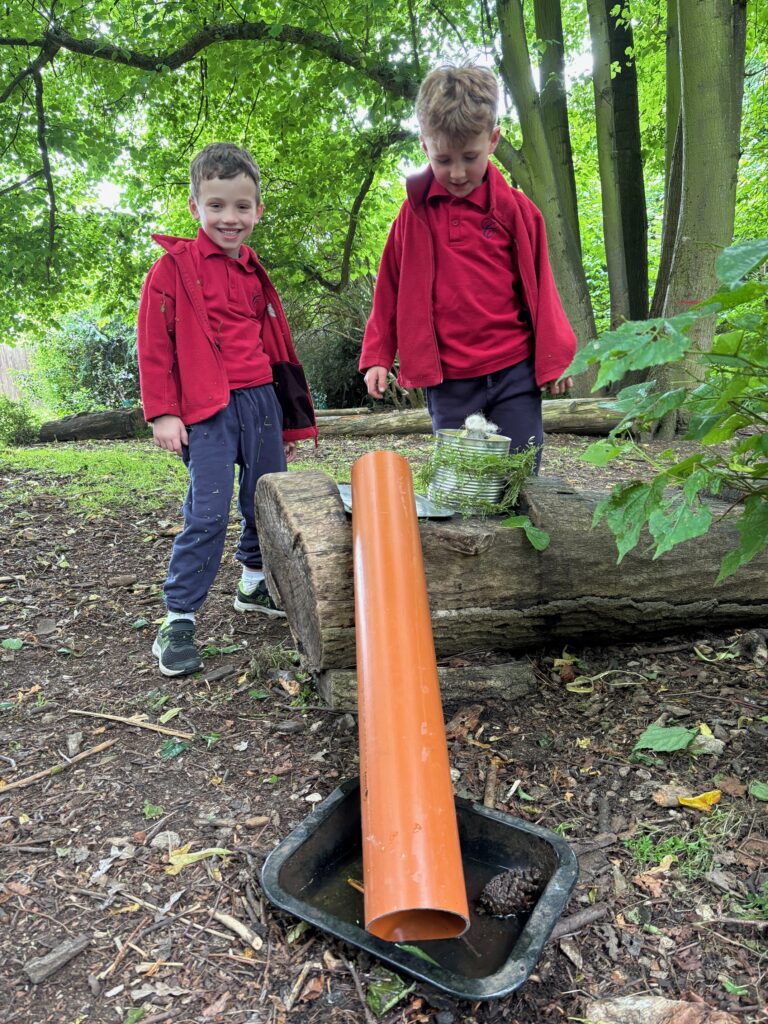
<point x="139" y="623"/>
<point x="152" y="811"/>
<point x="734" y="263"/>
<point x="168" y="715"/>
<point x="172" y="748"/>
<point x="258" y="694"/>
<point x="676" y="522"/>
<point x="759" y="790"/>
<point x="601" y="452"/>
<point x="538" y="538"/>
<point x="415" y="951"/>
<point x="385" y="990"/>
<point x="12" y="644"/>
<point x="752" y="527"/>
<point x="135" y="1014"/>
<point x="665" y="739"/>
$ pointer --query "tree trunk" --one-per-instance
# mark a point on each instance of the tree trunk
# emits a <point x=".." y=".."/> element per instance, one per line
<point x="561" y="416"/>
<point x="488" y="587"/>
<point x="554" y="106"/>
<point x="712" y="40"/>
<point x="113" y="424"/>
<point x="539" y="179"/>
<point x="613" y="228"/>
<point x="626" y="117"/>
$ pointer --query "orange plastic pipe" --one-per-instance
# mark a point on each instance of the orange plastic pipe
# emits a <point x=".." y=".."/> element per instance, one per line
<point x="412" y="868"/>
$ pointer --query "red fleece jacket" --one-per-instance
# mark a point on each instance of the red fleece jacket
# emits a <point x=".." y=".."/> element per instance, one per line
<point x="181" y="369"/>
<point x="401" y="321"/>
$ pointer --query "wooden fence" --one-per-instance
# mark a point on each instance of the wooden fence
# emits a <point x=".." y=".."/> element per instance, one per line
<point x="11" y="360"/>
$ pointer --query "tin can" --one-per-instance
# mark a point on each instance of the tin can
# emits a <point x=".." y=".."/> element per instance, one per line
<point x="459" y="484"/>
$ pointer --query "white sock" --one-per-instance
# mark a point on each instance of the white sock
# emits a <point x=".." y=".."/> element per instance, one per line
<point x="251" y="579"/>
<point x="172" y="616"/>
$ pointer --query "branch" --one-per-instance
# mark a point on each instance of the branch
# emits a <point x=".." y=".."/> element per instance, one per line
<point x="22" y="183"/>
<point x="377" y="149"/>
<point x="47" y="52"/>
<point x="43" y="146"/>
<point x="398" y="82"/>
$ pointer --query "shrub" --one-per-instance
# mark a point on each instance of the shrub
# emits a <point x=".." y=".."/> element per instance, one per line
<point x="727" y="414"/>
<point x="329" y="342"/>
<point x="18" y="424"/>
<point x="85" y="364"/>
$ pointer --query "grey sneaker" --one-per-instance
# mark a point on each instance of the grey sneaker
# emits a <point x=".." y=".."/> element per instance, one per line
<point x="258" y="600"/>
<point x="174" y="648"/>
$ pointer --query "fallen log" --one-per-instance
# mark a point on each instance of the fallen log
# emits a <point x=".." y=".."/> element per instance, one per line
<point x="561" y="416"/>
<point x="111" y="424"/>
<point x="488" y="588"/>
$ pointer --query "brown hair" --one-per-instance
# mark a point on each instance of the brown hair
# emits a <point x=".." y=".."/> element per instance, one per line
<point x="457" y="102"/>
<point x="223" y="160"/>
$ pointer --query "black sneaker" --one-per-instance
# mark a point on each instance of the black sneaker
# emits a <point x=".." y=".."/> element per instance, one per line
<point x="258" y="600"/>
<point x="174" y="648"/>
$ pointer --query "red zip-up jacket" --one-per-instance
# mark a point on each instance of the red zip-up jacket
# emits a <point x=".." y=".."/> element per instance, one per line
<point x="181" y="368"/>
<point x="401" y="321"/>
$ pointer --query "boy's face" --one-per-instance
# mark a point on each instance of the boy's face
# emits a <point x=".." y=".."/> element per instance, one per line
<point x="227" y="211"/>
<point x="460" y="167"/>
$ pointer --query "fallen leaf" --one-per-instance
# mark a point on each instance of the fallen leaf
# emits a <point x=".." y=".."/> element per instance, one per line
<point x="732" y="786"/>
<point x="312" y="990"/>
<point x="217" y="1006"/>
<point x="182" y="858"/>
<point x="669" y="796"/>
<point x="704" y="802"/>
<point x="654" y="1010"/>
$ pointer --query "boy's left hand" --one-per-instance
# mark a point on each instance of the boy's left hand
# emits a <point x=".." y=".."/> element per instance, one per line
<point x="559" y="387"/>
<point x="290" y="450"/>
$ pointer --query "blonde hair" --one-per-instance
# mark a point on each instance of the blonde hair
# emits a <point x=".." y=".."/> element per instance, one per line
<point x="457" y="102"/>
<point x="223" y="160"/>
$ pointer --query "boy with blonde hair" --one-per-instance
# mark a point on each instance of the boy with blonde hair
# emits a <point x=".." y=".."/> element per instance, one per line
<point x="465" y="294"/>
<point x="221" y="386"/>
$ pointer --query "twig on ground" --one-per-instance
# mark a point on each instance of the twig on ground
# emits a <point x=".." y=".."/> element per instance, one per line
<point x="246" y="934"/>
<point x="56" y="769"/>
<point x="123" y="950"/>
<point x="311" y="965"/>
<point x="742" y="922"/>
<point x="491" y="783"/>
<point x="369" y="1017"/>
<point x="581" y="919"/>
<point x="138" y="724"/>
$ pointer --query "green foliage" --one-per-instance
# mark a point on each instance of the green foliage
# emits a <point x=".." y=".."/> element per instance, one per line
<point x="328" y="338"/>
<point x="468" y="466"/>
<point x="694" y="852"/>
<point x="18" y="424"/>
<point x="85" y="365"/>
<point x="665" y="739"/>
<point x="728" y="409"/>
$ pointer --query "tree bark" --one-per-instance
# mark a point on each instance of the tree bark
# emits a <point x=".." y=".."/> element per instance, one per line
<point x="540" y="179"/>
<point x="488" y="587"/>
<point x="113" y="424"/>
<point x="712" y="42"/>
<point x="561" y="416"/>
<point x="613" y="227"/>
<point x="506" y="682"/>
<point x="554" y="106"/>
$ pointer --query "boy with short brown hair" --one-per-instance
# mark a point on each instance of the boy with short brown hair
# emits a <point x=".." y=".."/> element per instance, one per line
<point x="465" y="294"/>
<point x="221" y="386"/>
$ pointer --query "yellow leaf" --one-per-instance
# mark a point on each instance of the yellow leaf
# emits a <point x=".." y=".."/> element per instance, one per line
<point x="24" y="819"/>
<point x="130" y="909"/>
<point x="216" y="780"/>
<point x="703" y="802"/>
<point x="704" y="729"/>
<point x="182" y="858"/>
<point x="583" y="743"/>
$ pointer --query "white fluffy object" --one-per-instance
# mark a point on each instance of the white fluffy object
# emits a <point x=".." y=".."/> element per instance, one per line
<point x="478" y="427"/>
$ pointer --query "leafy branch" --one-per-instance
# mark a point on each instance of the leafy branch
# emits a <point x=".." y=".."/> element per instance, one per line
<point x="728" y="409"/>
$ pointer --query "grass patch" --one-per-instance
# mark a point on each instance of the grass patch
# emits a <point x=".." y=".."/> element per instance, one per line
<point x="97" y="478"/>
<point x="694" y="852"/>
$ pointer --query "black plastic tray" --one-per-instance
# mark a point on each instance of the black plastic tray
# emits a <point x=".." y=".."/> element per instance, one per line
<point x="307" y="875"/>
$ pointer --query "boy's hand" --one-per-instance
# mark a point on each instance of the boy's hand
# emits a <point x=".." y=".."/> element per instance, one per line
<point x="559" y="387"/>
<point x="376" y="381"/>
<point x="170" y="433"/>
<point x="290" y="450"/>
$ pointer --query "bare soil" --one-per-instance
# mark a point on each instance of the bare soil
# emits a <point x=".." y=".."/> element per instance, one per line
<point x="84" y="849"/>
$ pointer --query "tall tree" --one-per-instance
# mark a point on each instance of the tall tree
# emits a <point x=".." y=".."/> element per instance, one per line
<point x="710" y="109"/>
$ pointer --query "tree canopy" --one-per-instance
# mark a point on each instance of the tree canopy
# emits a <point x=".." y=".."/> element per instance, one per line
<point x="102" y="106"/>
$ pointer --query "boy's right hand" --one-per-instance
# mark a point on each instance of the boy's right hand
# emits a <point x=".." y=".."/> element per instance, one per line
<point x="170" y="433"/>
<point x="376" y="381"/>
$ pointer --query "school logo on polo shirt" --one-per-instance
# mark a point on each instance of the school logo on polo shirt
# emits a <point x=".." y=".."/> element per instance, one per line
<point x="488" y="227"/>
